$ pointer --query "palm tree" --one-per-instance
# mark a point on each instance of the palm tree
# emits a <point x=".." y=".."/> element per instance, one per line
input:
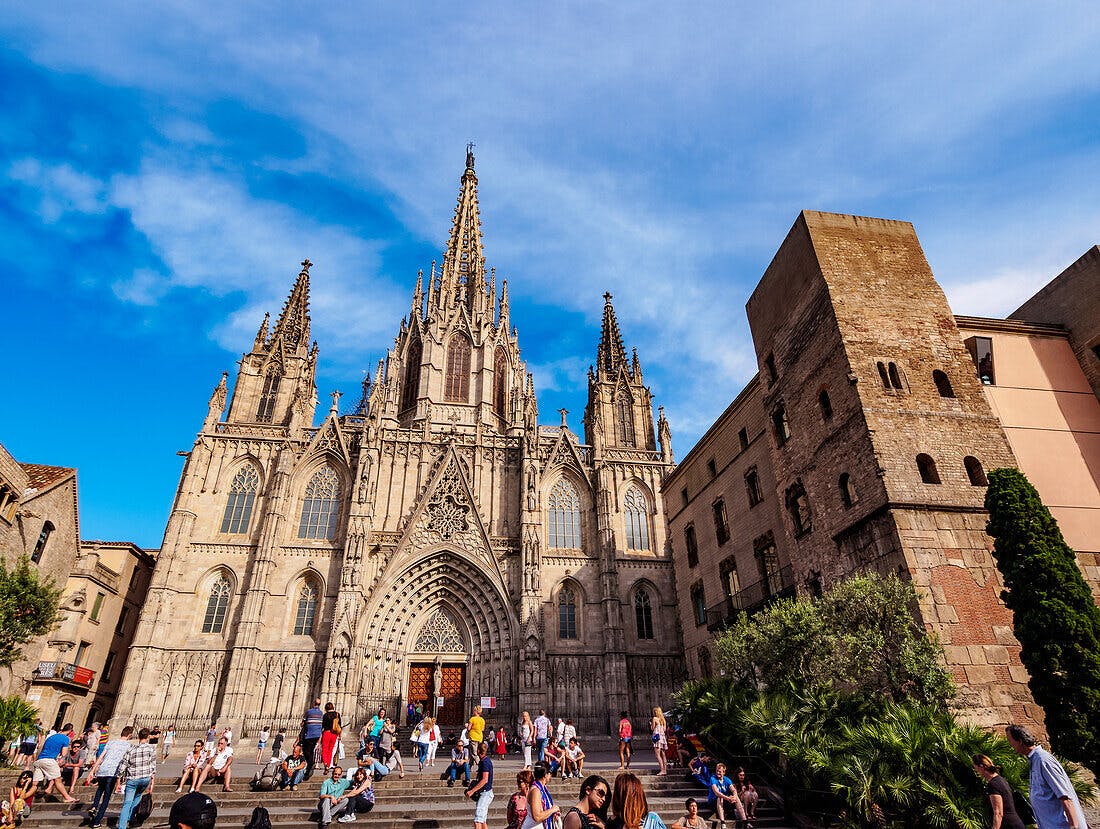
<point x="17" y="717"/>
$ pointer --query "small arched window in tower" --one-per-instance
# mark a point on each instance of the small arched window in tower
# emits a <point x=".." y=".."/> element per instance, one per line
<point x="943" y="384"/>
<point x="927" y="467"/>
<point x="564" y="517"/>
<point x="307" y="610"/>
<point x="216" y="606"/>
<point x="798" y="505"/>
<point x="500" y="384"/>
<point x="826" y="404"/>
<point x="643" y="613"/>
<point x="883" y="375"/>
<point x="624" y="415"/>
<point x="269" y="394"/>
<point x="242" y="495"/>
<point x="847" y="490"/>
<point x="321" y="506"/>
<point x="636" y="510"/>
<point x="567" y="613"/>
<point x="40" y="544"/>
<point x="895" y="376"/>
<point x="974" y="471"/>
<point x="410" y="388"/>
<point x="456" y="384"/>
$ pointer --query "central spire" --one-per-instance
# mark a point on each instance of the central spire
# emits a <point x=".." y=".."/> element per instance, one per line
<point x="462" y="279"/>
<point x="611" y="353"/>
<point x="293" y="322"/>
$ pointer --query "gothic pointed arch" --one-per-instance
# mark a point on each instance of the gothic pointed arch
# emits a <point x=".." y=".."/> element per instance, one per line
<point x="307" y="599"/>
<point x="624" y="416"/>
<point x="563" y="516"/>
<point x="269" y="391"/>
<point x="642" y="600"/>
<point x="568" y="602"/>
<point x="456" y="376"/>
<point x="410" y="383"/>
<point x="241" y="498"/>
<point x="501" y="370"/>
<point x="218" y="589"/>
<point x="440" y="633"/>
<point x="320" y="510"/>
<point x="636" y="518"/>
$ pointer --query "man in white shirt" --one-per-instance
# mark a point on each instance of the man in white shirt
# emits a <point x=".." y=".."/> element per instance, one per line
<point x="218" y="767"/>
<point x="574" y="759"/>
<point x="542" y="734"/>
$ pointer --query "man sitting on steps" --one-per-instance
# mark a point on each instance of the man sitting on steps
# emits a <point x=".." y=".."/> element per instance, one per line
<point x="332" y="802"/>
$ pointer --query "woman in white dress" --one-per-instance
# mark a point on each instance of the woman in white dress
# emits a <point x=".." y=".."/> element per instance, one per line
<point x="660" y="739"/>
<point x="436" y="738"/>
<point x="527" y="737"/>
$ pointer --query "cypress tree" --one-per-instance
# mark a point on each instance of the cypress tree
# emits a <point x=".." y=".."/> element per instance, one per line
<point x="1054" y="614"/>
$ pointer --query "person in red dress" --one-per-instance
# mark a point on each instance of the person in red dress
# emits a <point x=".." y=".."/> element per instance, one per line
<point x="502" y="742"/>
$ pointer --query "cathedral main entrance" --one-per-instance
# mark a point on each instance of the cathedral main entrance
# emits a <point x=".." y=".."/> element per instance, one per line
<point x="428" y="681"/>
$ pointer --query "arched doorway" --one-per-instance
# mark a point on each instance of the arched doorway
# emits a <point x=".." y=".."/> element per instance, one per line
<point x="437" y="667"/>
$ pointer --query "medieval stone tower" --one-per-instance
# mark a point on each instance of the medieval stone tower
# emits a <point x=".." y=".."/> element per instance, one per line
<point x="880" y="435"/>
<point x="435" y="544"/>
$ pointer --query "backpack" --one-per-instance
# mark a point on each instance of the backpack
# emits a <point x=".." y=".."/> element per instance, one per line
<point x="264" y="780"/>
<point x="143" y="810"/>
<point x="261" y="819"/>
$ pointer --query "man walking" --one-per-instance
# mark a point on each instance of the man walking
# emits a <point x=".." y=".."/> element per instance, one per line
<point x="136" y="772"/>
<point x="105" y="772"/>
<point x="312" y="726"/>
<point x="48" y="765"/>
<point x="475" y="728"/>
<point x="482" y="791"/>
<point x="542" y="733"/>
<point x="1053" y="799"/>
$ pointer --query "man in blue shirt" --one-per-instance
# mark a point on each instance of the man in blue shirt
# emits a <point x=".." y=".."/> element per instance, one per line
<point x="48" y="765"/>
<point x="1052" y="797"/>
<point x="332" y="800"/>
<point x="722" y="792"/>
<point x="312" y="726"/>
<point x="482" y="791"/>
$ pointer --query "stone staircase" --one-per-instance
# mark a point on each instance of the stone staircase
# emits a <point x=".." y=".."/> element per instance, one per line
<point x="419" y="801"/>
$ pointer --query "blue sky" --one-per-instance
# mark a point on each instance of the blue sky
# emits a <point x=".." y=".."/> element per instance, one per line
<point x="165" y="167"/>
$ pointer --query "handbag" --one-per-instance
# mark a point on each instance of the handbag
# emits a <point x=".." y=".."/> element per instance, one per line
<point x="143" y="810"/>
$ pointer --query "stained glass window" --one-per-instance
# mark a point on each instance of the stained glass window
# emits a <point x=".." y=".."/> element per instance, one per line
<point x="567" y="614"/>
<point x="216" y="606"/>
<point x="321" y="507"/>
<point x="643" y="613"/>
<point x="565" y="517"/>
<point x="307" y="610"/>
<point x="457" y="379"/>
<point x="269" y="394"/>
<point x="242" y="495"/>
<point x="636" y="510"/>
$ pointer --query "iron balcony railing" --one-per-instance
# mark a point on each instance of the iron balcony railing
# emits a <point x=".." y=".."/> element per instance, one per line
<point x="751" y="599"/>
<point x="65" y="673"/>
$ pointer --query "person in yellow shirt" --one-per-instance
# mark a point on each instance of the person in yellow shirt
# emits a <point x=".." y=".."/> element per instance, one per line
<point x="475" y="728"/>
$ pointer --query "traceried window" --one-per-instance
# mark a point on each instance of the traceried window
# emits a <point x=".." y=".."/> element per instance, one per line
<point x="456" y="387"/>
<point x="242" y="495"/>
<point x="307" y="610"/>
<point x="500" y="383"/>
<point x="567" y="613"/>
<point x="643" y="613"/>
<point x="216" y="606"/>
<point x="440" y="634"/>
<point x="269" y="394"/>
<point x="40" y="544"/>
<point x="564" y="517"/>
<point x="410" y="388"/>
<point x="636" y="510"/>
<point x="321" y="506"/>
<point x="624" y="414"/>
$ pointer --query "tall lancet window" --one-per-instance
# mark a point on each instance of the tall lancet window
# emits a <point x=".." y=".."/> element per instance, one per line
<point x="564" y="517"/>
<point x="216" y="606"/>
<point x="500" y="384"/>
<point x="410" y="388"/>
<point x="643" y="613"/>
<point x="567" y="614"/>
<point x="624" y="414"/>
<point x="321" y="507"/>
<point x="269" y="395"/>
<point x="242" y="495"/>
<point x="307" y="610"/>
<point x="636" y="510"/>
<point x="456" y="385"/>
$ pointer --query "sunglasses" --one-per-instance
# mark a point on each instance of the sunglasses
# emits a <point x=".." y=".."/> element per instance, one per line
<point x="600" y="792"/>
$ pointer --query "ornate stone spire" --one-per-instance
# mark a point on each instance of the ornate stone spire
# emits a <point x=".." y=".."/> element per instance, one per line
<point x="611" y="353"/>
<point x="293" y="324"/>
<point x="262" y="334"/>
<point x="463" y="274"/>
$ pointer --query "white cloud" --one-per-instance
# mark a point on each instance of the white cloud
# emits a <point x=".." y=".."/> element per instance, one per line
<point x="60" y="188"/>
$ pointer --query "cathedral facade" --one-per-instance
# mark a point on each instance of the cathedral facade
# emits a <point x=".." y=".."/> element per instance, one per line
<point x="437" y="544"/>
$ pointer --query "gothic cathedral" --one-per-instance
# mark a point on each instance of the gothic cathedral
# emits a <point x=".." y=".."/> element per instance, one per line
<point x="437" y="544"/>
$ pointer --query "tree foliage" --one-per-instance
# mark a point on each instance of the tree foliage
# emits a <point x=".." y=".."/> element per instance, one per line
<point x="28" y="608"/>
<point x="862" y="637"/>
<point x="1055" y="617"/>
<point x="16" y="718"/>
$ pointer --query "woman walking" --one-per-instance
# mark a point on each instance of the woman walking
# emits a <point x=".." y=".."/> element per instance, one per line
<point x="330" y="734"/>
<point x="660" y="739"/>
<point x="591" y="810"/>
<point x="999" y="793"/>
<point x="422" y="737"/>
<point x="527" y="737"/>
<point x="436" y="737"/>
<point x="540" y="805"/>
<point x="261" y="742"/>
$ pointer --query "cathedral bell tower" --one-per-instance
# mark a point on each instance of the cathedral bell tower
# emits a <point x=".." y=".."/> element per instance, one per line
<point x="619" y="413"/>
<point x="275" y="382"/>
